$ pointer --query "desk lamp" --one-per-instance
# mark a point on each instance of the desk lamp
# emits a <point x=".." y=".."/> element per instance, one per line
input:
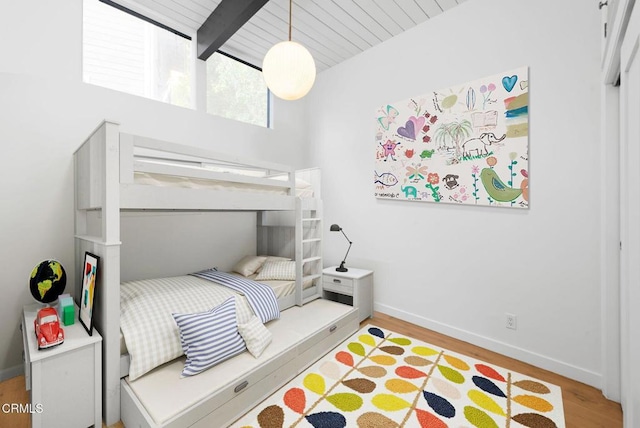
<point x="336" y="228"/>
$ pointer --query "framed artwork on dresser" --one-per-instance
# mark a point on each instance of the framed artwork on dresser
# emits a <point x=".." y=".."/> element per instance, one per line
<point x="89" y="279"/>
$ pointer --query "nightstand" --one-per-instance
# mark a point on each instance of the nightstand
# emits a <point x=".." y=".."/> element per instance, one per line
<point x="354" y="287"/>
<point x="65" y="382"/>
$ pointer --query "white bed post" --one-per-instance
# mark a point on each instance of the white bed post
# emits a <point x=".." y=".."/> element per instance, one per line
<point x="299" y="251"/>
<point x="262" y="234"/>
<point x="97" y="189"/>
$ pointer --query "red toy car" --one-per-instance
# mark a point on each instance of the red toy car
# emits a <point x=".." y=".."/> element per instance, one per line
<point x="47" y="327"/>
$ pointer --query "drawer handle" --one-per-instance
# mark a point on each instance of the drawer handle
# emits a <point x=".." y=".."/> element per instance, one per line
<point x="337" y="281"/>
<point x="240" y="387"/>
<point x="332" y="328"/>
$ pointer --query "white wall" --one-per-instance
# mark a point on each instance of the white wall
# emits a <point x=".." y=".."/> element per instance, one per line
<point x="46" y="112"/>
<point x="459" y="269"/>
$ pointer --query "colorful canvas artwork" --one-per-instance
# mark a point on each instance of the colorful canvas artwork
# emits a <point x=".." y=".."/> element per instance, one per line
<point x="468" y="144"/>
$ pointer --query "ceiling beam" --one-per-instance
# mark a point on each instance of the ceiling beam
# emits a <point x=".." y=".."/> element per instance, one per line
<point x="224" y="21"/>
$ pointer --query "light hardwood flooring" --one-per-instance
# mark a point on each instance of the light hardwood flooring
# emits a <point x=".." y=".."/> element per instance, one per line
<point x="584" y="406"/>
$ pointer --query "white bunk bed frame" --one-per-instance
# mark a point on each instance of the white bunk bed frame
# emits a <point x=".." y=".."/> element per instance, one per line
<point x="104" y="181"/>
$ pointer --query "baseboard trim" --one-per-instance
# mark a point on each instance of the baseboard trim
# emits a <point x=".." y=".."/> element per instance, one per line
<point x="11" y="372"/>
<point x="538" y="360"/>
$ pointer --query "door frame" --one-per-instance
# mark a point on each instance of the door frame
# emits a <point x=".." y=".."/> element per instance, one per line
<point x="610" y="242"/>
<point x="630" y="224"/>
<point x="615" y="18"/>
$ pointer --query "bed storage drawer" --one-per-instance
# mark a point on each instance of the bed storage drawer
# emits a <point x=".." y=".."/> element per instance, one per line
<point x="259" y="391"/>
<point x="310" y="351"/>
<point x="245" y="390"/>
<point x="335" y="330"/>
<point x="220" y="406"/>
<point x="306" y="353"/>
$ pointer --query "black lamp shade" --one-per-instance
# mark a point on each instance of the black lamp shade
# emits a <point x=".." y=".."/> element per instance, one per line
<point x="334" y="228"/>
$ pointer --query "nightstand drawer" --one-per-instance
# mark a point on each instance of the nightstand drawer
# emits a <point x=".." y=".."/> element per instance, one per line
<point x="338" y="285"/>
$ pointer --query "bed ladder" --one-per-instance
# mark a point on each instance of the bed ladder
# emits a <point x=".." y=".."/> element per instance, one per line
<point x="309" y="227"/>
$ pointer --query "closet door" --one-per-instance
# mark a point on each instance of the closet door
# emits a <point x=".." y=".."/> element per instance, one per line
<point x="630" y="220"/>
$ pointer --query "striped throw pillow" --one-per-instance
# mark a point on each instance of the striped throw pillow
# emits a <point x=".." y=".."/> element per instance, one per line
<point x="209" y="337"/>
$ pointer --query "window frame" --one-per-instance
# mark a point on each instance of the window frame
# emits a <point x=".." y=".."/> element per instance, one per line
<point x="146" y="19"/>
<point x="188" y="35"/>
<point x="197" y="72"/>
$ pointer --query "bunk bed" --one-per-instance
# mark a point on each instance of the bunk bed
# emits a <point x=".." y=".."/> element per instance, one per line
<point x="116" y="172"/>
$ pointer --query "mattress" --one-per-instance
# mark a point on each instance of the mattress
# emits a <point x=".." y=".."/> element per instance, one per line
<point x="280" y="288"/>
<point x="303" y="189"/>
<point x="146" y="307"/>
<point x="164" y="394"/>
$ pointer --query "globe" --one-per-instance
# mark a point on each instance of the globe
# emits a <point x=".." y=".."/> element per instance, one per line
<point x="47" y="281"/>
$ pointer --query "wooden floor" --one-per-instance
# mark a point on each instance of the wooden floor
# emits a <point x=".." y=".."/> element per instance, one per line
<point x="584" y="406"/>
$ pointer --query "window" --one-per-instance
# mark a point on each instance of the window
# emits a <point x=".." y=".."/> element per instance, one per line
<point x="236" y="91"/>
<point x="129" y="54"/>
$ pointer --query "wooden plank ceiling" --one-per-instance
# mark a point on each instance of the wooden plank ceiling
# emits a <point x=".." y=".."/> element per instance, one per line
<point x="332" y="30"/>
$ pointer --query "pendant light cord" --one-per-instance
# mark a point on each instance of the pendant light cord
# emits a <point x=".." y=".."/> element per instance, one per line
<point x="290" y="6"/>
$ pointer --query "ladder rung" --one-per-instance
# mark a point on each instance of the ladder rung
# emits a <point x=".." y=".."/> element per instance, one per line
<point x="311" y="259"/>
<point x="305" y="241"/>
<point x="311" y="219"/>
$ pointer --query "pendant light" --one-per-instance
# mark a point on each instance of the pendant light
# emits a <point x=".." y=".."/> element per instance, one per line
<point x="288" y="68"/>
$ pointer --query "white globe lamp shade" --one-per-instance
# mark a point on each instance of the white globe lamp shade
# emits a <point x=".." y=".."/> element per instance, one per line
<point x="289" y="70"/>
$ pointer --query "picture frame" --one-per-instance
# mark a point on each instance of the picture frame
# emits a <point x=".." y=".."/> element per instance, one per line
<point x="89" y="275"/>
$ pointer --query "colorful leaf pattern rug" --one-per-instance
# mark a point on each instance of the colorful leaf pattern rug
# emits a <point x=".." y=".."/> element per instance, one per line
<point x="381" y="379"/>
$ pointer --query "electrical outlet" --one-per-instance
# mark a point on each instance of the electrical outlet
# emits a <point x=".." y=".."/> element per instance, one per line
<point x="512" y="321"/>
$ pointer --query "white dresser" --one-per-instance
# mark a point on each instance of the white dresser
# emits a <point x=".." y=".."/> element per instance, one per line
<point x="65" y="382"/>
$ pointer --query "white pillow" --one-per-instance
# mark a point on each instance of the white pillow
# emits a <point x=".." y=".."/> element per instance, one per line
<point x="249" y="265"/>
<point x="209" y="337"/>
<point x="282" y="270"/>
<point x="273" y="259"/>
<point x="255" y="335"/>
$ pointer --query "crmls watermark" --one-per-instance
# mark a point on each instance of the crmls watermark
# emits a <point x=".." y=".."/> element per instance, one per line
<point x="22" y="408"/>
